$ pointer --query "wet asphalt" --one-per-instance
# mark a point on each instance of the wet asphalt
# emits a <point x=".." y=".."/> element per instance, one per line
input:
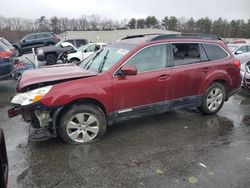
<point x="175" y="149"/>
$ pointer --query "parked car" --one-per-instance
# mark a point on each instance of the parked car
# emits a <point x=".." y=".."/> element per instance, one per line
<point x="128" y="79"/>
<point x="246" y="77"/>
<point x="35" y="40"/>
<point x="6" y="62"/>
<point x="85" y="51"/>
<point x="51" y="53"/>
<point x="3" y="162"/>
<point x="9" y="45"/>
<point x="242" y="52"/>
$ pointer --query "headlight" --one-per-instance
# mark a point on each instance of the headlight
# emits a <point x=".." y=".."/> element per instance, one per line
<point x="30" y="96"/>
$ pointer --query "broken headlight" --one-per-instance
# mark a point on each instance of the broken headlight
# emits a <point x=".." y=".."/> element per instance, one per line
<point x="30" y="96"/>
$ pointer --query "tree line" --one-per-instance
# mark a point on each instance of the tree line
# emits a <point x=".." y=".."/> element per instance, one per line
<point x="14" y="28"/>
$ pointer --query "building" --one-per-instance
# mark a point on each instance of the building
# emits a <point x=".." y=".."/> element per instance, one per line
<point x="111" y="36"/>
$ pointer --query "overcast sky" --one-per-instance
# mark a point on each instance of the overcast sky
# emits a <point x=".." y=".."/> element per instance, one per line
<point x="116" y="9"/>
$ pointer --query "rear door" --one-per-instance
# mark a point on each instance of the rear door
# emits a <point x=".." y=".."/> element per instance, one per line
<point x="149" y="89"/>
<point x="190" y="68"/>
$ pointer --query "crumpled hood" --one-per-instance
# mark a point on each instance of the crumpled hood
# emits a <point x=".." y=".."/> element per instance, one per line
<point x="52" y="73"/>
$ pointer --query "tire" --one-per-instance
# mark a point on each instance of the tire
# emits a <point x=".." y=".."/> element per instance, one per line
<point x="213" y="99"/>
<point x="50" y="59"/>
<point x="74" y="60"/>
<point x="82" y="124"/>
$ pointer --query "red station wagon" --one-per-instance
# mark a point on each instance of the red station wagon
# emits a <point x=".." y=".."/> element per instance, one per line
<point x="135" y="77"/>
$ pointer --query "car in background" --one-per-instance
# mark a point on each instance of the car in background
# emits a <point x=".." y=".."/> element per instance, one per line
<point x="50" y="53"/>
<point x="242" y="52"/>
<point x="84" y="52"/>
<point x="246" y="77"/>
<point x="35" y="40"/>
<point x="128" y="79"/>
<point x="6" y="62"/>
<point x="4" y="168"/>
<point x="9" y="45"/>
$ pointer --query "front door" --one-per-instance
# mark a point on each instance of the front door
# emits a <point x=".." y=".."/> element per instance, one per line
<point x="143" y="92"/>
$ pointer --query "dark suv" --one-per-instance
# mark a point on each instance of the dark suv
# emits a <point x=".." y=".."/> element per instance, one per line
<point x="35" y="40"/>
<point x="128" y="79"/>
<point x="50" y="53"/>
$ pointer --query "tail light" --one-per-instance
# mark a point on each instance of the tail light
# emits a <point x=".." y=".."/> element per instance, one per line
<point x="5" y="54"/>
<point x="236" y="63"/>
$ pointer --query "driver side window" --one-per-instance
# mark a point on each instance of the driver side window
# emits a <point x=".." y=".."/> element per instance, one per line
<point x="150" y="58"/>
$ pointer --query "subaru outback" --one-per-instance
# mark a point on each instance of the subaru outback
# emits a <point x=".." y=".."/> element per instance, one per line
<point x="132" y="78"/>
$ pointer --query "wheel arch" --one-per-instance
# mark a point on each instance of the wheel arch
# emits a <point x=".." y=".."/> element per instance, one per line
<point x="79" y="102"/>
<point x="221" y="81"/>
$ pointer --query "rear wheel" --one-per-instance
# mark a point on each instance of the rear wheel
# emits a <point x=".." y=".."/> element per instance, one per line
<point x="50" y="59"/>
<point x="82" y="124"/>
<point x="213" y="99"/>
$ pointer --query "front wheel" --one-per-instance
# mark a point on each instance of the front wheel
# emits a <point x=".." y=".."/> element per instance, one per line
<point x="213" y="99"/>
<point x="82" y="124"/>
<point x="51" y="59"/>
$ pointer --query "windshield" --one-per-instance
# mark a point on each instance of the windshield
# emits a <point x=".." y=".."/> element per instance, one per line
<point x="232" y="47"/>
<point x="104" y="59"/>
<point x="82" y="48"/>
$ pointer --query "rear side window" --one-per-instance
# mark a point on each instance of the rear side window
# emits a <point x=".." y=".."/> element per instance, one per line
<point x="214" y="52"/>
<point x="188" y="53"/>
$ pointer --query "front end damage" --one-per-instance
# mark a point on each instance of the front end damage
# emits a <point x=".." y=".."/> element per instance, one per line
<point x="27" y="104"/>
<point x="42" y="120"/>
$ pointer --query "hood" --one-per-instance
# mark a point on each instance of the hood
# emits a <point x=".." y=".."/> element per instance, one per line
<point x="52" y="74"/>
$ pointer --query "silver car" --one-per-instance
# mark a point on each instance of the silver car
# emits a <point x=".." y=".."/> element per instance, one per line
<point x="241" y="52"/>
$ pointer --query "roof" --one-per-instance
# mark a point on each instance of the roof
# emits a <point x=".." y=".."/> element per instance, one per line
<point x="139" y="39"/>
<point x="111" y="36"/>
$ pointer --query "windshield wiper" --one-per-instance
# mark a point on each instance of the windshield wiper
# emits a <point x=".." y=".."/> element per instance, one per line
<point x="91" y="61"/>
<point x="103" y="61"/>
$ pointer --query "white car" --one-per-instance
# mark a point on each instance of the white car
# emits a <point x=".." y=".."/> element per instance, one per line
<point x="85" y="51"/>
<point x="241" y="52"/>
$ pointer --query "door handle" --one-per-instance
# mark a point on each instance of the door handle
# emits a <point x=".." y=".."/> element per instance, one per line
<point x="164" y="77"/>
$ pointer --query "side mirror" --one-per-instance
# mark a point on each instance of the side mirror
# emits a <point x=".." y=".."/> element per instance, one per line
<point x="127" y="70"/>
<point x="238" y="52"/>
<point x="23" y="40"/>
<point x="66" y="44"/>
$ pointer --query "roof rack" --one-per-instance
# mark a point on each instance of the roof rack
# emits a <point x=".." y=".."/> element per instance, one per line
<point x="140" y="36"/>
<point x="187" y="36"/>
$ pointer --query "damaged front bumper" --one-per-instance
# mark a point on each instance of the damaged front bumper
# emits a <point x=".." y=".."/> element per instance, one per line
<point x="42" y="119"/>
